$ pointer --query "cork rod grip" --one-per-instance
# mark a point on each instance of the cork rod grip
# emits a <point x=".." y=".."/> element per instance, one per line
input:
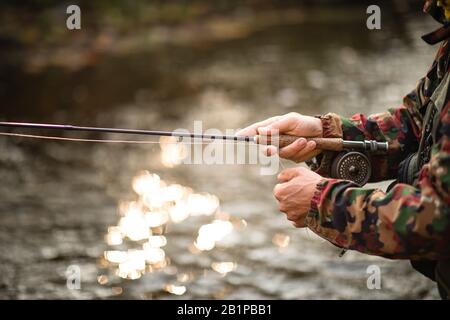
<point x="330" y="144"/>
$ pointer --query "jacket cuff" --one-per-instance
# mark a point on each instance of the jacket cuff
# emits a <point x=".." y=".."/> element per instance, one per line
<point x="315" y="201"/>
<point x="315" y="220"/>
<point x="331" y="128"/>
<point x="331" y="125"/>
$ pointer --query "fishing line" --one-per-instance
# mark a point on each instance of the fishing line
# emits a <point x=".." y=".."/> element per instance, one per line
<point x="57" y="138"/>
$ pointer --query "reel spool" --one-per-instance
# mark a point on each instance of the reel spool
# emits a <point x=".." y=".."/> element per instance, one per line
<point x="352" y="165"/>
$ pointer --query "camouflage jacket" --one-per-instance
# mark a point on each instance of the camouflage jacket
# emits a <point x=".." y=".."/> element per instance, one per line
<point x="409" y="221"/>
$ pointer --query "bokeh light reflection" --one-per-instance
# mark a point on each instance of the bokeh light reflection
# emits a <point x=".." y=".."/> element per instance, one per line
<point x="137" y="242"/>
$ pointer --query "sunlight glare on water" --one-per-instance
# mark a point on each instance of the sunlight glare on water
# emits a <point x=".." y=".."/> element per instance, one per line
<point x="223" y="267"/>
<point x="172" y="153"/>
<point x="281" y="240"/>
<point x="140" y="234"/>
<point x="209" y="234"/>
<point x="176" y="290"/>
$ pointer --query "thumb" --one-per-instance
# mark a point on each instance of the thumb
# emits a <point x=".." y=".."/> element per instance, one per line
<point x="282" y="126"/>
<point x="288" y="174"/>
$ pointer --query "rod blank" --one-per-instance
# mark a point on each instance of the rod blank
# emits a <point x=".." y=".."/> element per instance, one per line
<point x="65" y="127"/>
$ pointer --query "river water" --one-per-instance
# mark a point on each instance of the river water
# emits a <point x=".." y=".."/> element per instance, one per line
<point x="58" y="199"/>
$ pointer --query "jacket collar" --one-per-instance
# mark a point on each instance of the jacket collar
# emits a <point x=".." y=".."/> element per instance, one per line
<point x="440" y="11"/>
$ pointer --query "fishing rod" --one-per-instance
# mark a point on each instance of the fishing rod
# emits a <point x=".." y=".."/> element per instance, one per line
<point x="351" y="163"/>
<point x="68" y="127"/>
<point x="331" y="144"/>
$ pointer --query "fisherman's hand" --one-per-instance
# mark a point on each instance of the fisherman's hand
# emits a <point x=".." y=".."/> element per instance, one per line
<point x="292" y="124"/>
<point x="295" y="192"/>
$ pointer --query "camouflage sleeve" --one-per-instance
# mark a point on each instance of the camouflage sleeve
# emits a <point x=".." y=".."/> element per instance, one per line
<point x="405" y="223"/>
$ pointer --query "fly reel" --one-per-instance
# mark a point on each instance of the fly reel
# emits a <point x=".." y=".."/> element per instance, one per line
<point x="351" y="165"/>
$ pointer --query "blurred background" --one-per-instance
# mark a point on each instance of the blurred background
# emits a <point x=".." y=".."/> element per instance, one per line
<point x="185" y="231"/>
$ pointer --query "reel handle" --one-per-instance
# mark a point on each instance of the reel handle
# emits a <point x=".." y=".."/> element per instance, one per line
<point x="329" y="144"/>
<point x="283" y="140"/>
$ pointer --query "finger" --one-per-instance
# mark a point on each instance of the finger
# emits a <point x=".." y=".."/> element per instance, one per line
<point x="278" y="190"/>
<point x="293" y="149"/>
<point x="299" y="224"/>
<point x="299" y="212"/>
<point x="282" y="208"/>
<point x="293" y="216"/>
<point x="252" y="129"/>
<point x="287" y="174"/>
<point x="308" y="156"/>
<point x="304" y="154"/>
<point x="270" y="151"/>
